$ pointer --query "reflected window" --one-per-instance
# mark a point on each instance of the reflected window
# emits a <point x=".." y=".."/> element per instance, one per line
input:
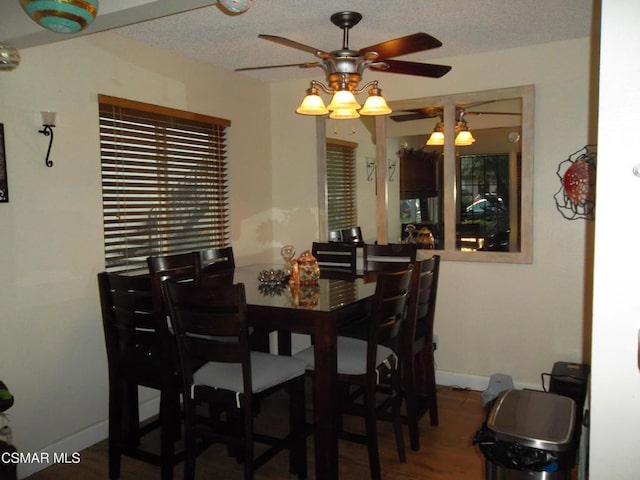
<point x="473" y="193"/>
<point x="486" y="200"/>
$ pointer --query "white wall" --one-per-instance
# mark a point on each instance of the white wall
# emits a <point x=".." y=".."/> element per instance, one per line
<point x="615" y="379"/>
<point x="513" y="319"/>
<point x="52" y="353"/>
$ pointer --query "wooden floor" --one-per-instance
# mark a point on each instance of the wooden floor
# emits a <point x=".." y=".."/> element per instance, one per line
<point x="446" y="452"/>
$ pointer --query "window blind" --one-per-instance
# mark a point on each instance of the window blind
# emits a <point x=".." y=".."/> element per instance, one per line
<point x="164" y="182"/>
<point x="341" y="184"/>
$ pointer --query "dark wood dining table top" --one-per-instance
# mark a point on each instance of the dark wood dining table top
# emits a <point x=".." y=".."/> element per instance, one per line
<point x="332" y="293"/>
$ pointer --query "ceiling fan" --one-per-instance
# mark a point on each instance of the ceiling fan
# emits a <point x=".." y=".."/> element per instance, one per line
<point x="347" y="65"/>
<point x="344" y="67"/>
<point x="433" y="112"/>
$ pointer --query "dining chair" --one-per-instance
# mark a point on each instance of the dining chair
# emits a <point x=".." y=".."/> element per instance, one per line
<point x="418" y="365"/>
<point x="335" y="236"/>
<point x="217" y="367"/>
<point x="134" y="359"/>
<point x="390" y="257"/>
<point x="364" y="364"/>
<point x="352" y="235"/>
<point x="212" y="261"/>
<point x="335" y="259"/>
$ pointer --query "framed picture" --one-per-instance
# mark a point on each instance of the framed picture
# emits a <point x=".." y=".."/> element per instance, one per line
<point x="4" y="184"/>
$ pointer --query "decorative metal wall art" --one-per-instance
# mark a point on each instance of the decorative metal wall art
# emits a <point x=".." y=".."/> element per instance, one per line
<point x="4" y="184"/>
<point x="577" y="194"/>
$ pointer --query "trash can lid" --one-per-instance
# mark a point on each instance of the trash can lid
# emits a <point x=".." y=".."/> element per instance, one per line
<point x="534" y="419"/>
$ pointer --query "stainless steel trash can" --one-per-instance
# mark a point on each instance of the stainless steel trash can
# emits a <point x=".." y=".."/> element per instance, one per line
<point x="534" y="432"/>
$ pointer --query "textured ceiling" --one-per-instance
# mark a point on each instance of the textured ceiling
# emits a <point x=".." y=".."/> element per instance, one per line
<point x="210" y="35"/>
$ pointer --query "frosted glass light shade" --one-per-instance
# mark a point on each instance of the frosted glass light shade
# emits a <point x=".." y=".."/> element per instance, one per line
<point x="344" y="114"/>
<point x="464" y="139"/>
<point x="48" y="118"/>
<point x="343" y="99"/>
<point x="375" y="105"/>
<point x="312" y="104"/>
<point x="436" y="138"/>
<point x="62" y="16"/>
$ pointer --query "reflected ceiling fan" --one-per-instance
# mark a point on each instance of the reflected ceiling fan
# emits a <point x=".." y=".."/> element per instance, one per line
<point x="433" y="112"/>
<point x="343" y="68"/>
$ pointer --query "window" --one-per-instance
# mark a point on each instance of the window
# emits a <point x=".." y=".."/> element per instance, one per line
<point x="164" y="182"/>
<point x="341" y="184"/>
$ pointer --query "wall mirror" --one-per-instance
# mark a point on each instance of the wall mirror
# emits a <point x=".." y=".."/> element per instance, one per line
<point x="474" y="195"/>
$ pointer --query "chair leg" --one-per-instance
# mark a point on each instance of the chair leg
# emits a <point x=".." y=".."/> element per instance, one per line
<point x="115" y="431"/>
<point x="396" y="385"/>
<point x="372" y="433"/>
<point x="432" y="398"/>
<point x="169" y="419"/>
<point x="248" y="442"/>
<point x="189" y="440"/>
<point x="297" y="426"/>
<point x="409" y="389"/>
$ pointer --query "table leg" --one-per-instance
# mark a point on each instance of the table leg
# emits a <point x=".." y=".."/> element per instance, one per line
<point x="325" y="411"/>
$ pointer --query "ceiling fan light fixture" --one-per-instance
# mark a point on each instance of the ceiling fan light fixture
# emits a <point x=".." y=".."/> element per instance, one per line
<point x="375" y="103"/>
<point x="344" y="114"/>
<point x="342" y="100"/>
<point x="437" y="136"/>
<point x="312" y="103"/>
<point x="464" y="139"/>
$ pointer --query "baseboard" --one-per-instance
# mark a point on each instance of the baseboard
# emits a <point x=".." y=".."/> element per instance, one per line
<point x="472" y="382"/>
<point x="80" y="440"/>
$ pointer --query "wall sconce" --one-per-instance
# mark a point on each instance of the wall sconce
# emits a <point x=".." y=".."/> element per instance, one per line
<point x="48" y="122"/>
<point x="371" y="168"/>
<point x="393" y="164"/>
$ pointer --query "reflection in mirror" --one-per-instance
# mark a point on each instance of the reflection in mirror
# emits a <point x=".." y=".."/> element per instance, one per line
<point x="478" y="206"/>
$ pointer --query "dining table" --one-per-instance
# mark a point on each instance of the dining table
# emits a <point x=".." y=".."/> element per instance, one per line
<point x="318" y="309"/>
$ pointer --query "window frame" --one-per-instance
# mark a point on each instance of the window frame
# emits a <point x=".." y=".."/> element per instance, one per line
<point x="168" y="161"/>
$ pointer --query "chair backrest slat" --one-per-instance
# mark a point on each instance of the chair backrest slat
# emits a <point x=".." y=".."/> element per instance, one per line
<point x="213" y="261"/>
<point x="388" y="258"/>
<point x="335" y="257"/>
<point x="130" y="327"/>
<point x="422" y="300"/>
<point x="210" y="324"/>
<point x="389" y="311"/>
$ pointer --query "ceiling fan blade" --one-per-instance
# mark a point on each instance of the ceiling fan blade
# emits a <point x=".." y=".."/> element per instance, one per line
<point x="301" y="65"/>
<point x="413" y="68"/>
<point x="409" y="116"/>
<point x="490" y="113"/>
<point x="417" y="42"/>
<point x="293" y="44"/>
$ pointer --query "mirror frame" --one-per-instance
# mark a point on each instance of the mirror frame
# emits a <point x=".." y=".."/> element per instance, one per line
<point x="448" y="102"/>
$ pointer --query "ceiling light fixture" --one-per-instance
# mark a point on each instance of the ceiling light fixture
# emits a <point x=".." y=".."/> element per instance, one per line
<point x="62" y="16"/>
<point x="344" y="104"/>
<point x="236" y="6"/>
<point x="464" y="138"/>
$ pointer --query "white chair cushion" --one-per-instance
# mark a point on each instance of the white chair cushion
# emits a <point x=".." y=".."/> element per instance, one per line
<point x="267" y="371"/>
<point x="352" y="356"/>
